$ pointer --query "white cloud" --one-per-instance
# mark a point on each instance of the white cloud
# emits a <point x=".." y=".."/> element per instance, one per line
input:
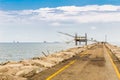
<point x="93" y="28"/>
<point x="84" y="14"/>
<point x="55" y="24"/>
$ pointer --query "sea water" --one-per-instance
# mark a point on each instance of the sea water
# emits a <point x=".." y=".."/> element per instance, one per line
<point x="21" y="51"/>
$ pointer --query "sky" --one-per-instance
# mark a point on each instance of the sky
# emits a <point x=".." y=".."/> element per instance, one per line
<point x="41" y="20"/>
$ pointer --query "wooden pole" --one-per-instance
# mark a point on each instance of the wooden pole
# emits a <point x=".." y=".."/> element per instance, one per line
<point x="44" y="54"/>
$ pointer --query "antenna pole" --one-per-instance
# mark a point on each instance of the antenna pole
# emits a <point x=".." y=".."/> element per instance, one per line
<point x="85" y="38"/>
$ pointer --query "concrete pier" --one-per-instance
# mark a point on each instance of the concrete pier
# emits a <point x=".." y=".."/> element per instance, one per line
<point x="94" y="63"/>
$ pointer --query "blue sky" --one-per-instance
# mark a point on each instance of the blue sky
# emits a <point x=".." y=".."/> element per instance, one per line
<point x="40" y="20"/>
<point x="34" y="4"/>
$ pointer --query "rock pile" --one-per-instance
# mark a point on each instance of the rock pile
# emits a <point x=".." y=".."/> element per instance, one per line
<point x="114" y="49"/>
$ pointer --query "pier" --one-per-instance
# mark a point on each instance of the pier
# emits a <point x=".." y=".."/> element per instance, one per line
<point x="95" y="63"/>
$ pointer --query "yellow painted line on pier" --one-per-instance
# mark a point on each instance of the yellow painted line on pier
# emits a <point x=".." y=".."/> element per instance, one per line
<point x="56" y="73"/>
<point x="66" y="66"/>
<point x="115" y="67"/>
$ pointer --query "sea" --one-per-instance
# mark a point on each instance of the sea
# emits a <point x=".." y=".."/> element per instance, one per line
<point x="17" y="51"/>
<point x="23" y="51"/>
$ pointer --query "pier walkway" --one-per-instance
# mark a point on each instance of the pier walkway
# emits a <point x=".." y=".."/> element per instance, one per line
<point x="95" y="63"/>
